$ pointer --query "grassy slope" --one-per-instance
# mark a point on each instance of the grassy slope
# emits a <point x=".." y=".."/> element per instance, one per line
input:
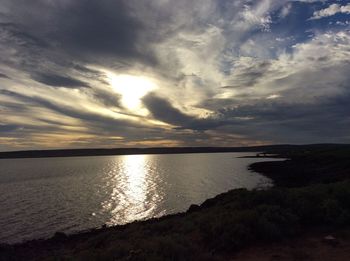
<point x="222" y="225"/>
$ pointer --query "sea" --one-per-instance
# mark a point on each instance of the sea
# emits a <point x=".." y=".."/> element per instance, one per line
<point x="41" y="196"/>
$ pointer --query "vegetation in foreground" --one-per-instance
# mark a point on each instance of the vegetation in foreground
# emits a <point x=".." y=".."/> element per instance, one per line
<point x="220" y="226"/>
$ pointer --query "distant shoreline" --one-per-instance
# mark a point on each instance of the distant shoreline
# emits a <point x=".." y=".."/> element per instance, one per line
<point x="122" y="151"/>
<point x="271" y="149"/>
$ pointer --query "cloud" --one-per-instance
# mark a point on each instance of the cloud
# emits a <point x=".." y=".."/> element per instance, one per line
<point x="4" y="128"/>
<point x="285" y="10"/>
<point x="256" y="16"/>
<point x="16" y="34"/>
<point x="315" y="68"/>
<point x="58" y="80"/>
<point x="2" y="75"/>
<point x="309" y="88"/>
<point x="89" y="117"/>
<point x="331" y="10"/>
<point x="162" y="110"/>
<point x="311" y="1"/>
<point x="276" y="68"/>
<point x="293" y="122"/>
<point x="103" y="27"/>
<point x="107" y="98"/>
<point x="247" y="73"/>
<point x="48" y="123"/>
<point x="59" y="48"/>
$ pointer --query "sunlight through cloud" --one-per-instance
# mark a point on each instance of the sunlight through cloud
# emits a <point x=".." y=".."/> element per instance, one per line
<point x="132" y="88"/>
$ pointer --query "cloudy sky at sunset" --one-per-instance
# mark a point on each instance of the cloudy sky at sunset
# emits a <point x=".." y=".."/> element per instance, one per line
<point x="140" y="73"/>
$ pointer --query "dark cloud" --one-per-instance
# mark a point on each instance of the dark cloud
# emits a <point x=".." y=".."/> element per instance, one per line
<point x="106" y="98"/>
<point x="17" y="34"/>
<point x="83" y="29"/>
<point x="99" y="27"/>
<point x="325" y="119"/>
<point x="58" y="80"/>
<point x="88" y="73"/>
<point x="163" y="110"/>
<point x="2" y="75"/>
<point x="8" y="128"/>
<point x="25" y="48"/>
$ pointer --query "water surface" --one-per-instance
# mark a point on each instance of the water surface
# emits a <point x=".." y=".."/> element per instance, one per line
<point x="41" y="196"/>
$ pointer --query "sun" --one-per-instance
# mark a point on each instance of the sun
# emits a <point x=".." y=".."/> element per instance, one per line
<point x="131" y="88"/>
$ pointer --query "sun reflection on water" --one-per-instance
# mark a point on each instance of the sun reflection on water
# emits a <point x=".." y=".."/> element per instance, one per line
<point x="133" y="195"/>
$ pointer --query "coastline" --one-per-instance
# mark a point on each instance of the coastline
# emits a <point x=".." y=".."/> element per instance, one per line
<point x="220" y="226"/>
<point x="127" y="151"/>
<point x="270" y="149"/>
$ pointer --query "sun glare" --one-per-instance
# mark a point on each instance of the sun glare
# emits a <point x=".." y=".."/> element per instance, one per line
<point x="132" y="89"/>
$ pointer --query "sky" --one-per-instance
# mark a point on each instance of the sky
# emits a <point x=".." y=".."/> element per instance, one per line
<point x="155" y="73"/>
